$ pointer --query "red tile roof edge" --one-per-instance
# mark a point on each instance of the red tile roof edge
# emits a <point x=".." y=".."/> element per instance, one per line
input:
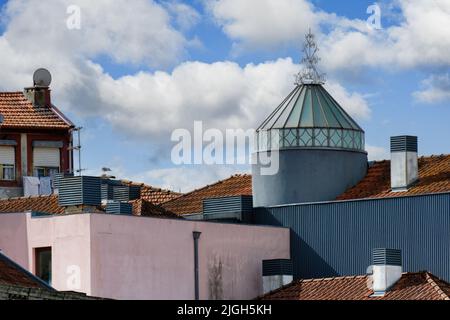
<point x="208" y="186"/>
<point x="431" y="279"/>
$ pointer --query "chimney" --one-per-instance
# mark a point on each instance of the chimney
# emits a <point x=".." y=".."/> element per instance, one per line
<point x="404" y="163"/>
<point x="386" y="269"/>
<point x="276" y="274"/>
<point x="39" y="94"/>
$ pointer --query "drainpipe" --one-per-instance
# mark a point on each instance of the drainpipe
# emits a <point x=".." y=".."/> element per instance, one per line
<point x="196" y="236"/>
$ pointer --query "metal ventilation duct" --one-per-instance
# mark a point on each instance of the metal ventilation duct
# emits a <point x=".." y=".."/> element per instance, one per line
<point x="80" y="190"/>
<point x="236" y="207"/>
<point x="121" y="208"/>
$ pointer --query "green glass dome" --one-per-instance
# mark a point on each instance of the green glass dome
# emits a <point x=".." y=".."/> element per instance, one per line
<point x="309" y="117"/>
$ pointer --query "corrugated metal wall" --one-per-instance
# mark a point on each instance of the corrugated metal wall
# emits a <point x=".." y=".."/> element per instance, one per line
<point x="335" y="239"/>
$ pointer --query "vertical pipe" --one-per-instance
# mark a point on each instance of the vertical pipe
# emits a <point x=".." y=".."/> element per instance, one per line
<point x="196" y="236"/>
<point x="79" y="150"/>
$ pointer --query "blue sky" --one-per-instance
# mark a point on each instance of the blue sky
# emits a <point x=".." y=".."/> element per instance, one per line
<point x="392" y="84"/>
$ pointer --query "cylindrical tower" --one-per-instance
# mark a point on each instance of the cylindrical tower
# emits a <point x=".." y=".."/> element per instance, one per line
<point x="314" y="148"/>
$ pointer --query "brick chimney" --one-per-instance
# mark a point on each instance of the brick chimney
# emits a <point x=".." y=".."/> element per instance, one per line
<point x="39" y="94"/>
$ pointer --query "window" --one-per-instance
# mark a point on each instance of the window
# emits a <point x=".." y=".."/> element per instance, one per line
<point x="43" y="260"/>
<point x="46" y="161"/>
<point x="45" y="172"/>
<point x="7" y="163"/>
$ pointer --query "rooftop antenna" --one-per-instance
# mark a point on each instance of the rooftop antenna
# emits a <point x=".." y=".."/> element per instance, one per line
<point x="78" y="148"/>
<point x="310" y="74"/>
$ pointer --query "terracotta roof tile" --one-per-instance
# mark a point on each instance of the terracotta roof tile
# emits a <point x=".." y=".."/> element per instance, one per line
<point x="18" y="112"/>
<point x="13" y="275"/>
<point x="434" y="177"/>
<point x="154" y="195"/>
<point x="192" y="202"/>
<point x="45" y="204"/>
<point x="145" y="208"/>
<point x="411" y="286"/>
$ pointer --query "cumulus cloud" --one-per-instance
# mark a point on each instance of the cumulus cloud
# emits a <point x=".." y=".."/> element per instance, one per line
<point x="223" y="95"/>
<point x="263" y="23"/>
<point x="138" y="32"/>
<point x="148" y="105"/>
<point x="417" y="38"/>
<point x="436" y="89"/>
<point x="186" y="179"/>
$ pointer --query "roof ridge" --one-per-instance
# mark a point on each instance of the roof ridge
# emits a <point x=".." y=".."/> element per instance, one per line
<point x="29" y="197"/>
<point x="332" y="278"/>
<point x="184" y="195"/>
<point x="430" y="279"/>
<point x="143" y="184"/>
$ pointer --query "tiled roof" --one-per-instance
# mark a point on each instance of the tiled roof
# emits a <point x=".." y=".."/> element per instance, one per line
<point x="411" y="286"/>
<point x="11" y="274"/>
<point x="24" y="293"/>
<point x="434" y="177"/>
<point x="192" y="202"/>
<point x="19" y="113"/>
<point x="154" y="195"/>
<point x="49" y="204"/>
<point x="45" y="204"/>
<point x="145" y="208"/>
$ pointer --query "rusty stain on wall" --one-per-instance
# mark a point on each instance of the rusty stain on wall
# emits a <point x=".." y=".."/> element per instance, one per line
<point x="215" y="278"/>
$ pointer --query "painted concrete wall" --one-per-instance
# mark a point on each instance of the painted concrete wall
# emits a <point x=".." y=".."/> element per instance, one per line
<point x="14" y="237"/>
<point x="69" y="237"/>
<point x="127" y="257"/>
<point x="155" y="258"/>
<point x="308" y="175"/>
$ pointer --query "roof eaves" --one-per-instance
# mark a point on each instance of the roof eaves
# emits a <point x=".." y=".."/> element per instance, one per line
<point x="435" y="286"/>
<point x="25" y="271"/>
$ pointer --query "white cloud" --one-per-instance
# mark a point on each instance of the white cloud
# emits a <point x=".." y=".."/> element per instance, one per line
<point x="436" y="89"/>
<point x="377" y="153"/>
<point x="137" y="31"/>
<point x="418" y="38"/>
<point x="186" y="17"/>
<point x="185" y="179"/>
<point x="354" y="103"/>
<point x="146" y="104"/>
<point x="223" y="95"/>
<point x="263" y="23"/>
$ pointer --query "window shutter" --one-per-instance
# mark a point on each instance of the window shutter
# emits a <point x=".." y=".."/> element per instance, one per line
<point x="7" y="155"/>
<point x="46" y="157"/>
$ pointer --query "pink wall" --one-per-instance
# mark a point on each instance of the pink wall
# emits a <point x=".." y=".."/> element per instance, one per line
<point x="126" y="257"/>
<point x="13" y="237"/>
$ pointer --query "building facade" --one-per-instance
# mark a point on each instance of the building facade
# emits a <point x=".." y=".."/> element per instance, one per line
<point x="35" y="139"/>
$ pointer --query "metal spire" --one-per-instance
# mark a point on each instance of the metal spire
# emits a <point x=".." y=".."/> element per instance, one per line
<point x="310" y="73"/>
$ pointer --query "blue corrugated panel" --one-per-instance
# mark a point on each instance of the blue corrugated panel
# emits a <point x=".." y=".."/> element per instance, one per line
<point x="237" y="204"/>
<point x="116" y="207"/>
<point x="57" y="178"/>
<point x="126" y="193"/>
<point x="337" y="238"/>
<point x="80" y="190"/>
<point x="277" y="267"/>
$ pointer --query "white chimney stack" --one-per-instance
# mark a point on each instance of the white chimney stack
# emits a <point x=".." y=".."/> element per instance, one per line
<point x="276" y="274"/>
<point x="386" y="269"/>
<point x="404" y="162"/>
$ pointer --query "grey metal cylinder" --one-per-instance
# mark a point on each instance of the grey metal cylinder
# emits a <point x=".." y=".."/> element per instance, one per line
<point x="308" y="175"/>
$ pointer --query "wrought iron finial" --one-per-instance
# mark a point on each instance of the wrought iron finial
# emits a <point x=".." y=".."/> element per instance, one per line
<point x="310" y="74"/>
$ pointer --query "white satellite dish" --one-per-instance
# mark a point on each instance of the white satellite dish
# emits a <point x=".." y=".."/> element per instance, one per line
<point x="42" y="77"/>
